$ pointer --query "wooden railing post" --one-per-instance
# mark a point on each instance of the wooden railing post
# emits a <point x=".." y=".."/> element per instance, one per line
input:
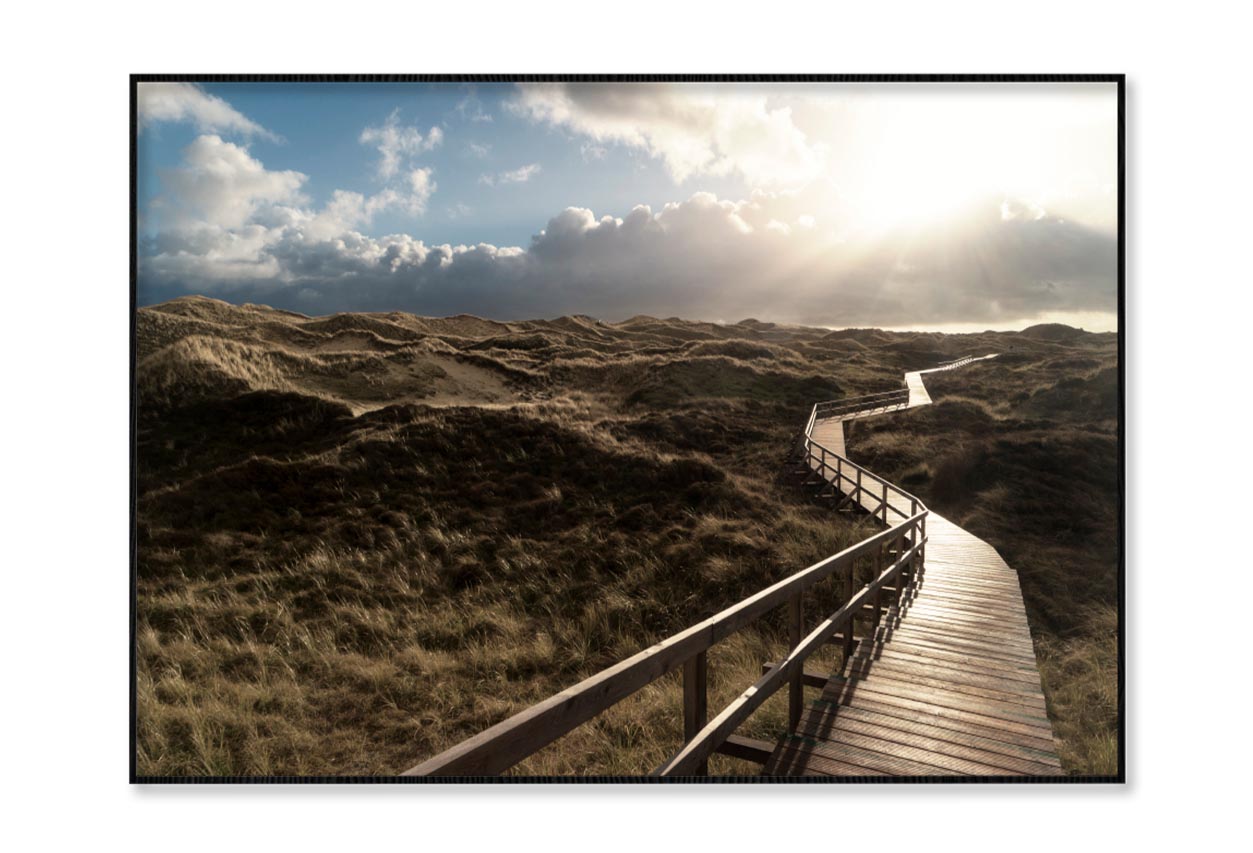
<point x="885" y="501"/>
<point x="907" y="571"/>
<point x="878" y="592"/>
<point x="848" y="596"/>
<point x="896" y="582"/>
<point x="695" y="702"/>
<point x="796" y="688"/>
<point x="921" y="568"/>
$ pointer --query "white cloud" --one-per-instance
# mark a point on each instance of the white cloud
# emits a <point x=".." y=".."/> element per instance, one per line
<point x="471" y="109"/>
<point x="904" y="151"/>
<point x="226" y="211"/>
<point x="694" y="130"/>
<point x="765" y="256"/>
<point x="520" y="175"/>
<point x="420" y="188"/>
<point x="395" y="143"/>
<point x="177" y="102"/>
<point x="221" y="183"/>
<point x="480" y="150"/>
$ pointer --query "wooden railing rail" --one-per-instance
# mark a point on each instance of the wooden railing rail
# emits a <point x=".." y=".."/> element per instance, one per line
<point x="867" y="403"/>
<point x="855" y="477"/>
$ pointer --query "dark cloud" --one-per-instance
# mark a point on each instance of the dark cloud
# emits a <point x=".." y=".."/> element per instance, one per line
<point x="704" y="258"/>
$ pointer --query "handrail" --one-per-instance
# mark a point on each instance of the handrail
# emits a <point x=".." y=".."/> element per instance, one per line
<point x="864" y="404"/>
<point x="824" y="456"/>
<point x="706" y="742"/>
<point x="500" y="747"/>
<point x="893" y="400"/>
<point x="955" y="362"/>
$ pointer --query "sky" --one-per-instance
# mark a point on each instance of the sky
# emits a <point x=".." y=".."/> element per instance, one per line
<point x="954" y="207"/>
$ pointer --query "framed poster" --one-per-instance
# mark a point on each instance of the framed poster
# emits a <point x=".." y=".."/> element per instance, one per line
<point x="627" y="428"/>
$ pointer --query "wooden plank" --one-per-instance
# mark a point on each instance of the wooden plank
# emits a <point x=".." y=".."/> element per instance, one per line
<point x="984" y="712"/>
<point x="964" y="663"/>
<point x="940" y="718"/>
<point x="910" y="636"/>
<point x="919" y="619"/>
<point x="923" y="646"/>
<point x="747" y="749"/>
<point x="795" y="760"/>
<point x="866" y="670"/>
<point x="890" y="763"/>
<point x="815" y="721"/>
<point x="943" y="755"/>
<point x="988" y="688"/>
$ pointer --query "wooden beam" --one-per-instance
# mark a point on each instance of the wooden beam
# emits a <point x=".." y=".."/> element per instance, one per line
<point x="809" y="677"/>
<point x="848" y="595"/>
<point x="747" y="748"/>
<point x="695" y="701"/>
<point x="796" y="691"/>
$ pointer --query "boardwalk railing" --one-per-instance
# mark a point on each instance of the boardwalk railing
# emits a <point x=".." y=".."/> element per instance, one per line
<point x="855" y="481"/>
<point x="862" y="405"/>
<point x="896" y="555"/>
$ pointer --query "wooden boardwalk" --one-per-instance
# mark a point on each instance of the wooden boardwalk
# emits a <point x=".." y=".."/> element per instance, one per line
<point x="941" y="682"/>
<point x="946" y="683"/>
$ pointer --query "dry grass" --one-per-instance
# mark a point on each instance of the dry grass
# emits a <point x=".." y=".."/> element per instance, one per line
<point x="364" y="538"/>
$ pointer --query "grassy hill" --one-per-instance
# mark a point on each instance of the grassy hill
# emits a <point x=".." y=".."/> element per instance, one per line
<point x="365" y="537"/>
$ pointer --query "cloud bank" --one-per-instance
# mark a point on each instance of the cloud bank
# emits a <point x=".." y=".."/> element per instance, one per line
<point x="242" y="232"/>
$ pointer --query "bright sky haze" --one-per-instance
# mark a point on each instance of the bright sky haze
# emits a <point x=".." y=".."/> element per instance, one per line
<point x="895" y="205"/>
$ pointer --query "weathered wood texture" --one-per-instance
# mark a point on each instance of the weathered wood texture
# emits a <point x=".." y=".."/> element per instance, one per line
<point x="946" y="682"/>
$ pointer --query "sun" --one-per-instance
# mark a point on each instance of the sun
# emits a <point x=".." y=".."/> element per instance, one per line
<point x="929" y="161"/>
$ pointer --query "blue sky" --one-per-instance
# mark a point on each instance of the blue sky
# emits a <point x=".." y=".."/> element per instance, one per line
<point x="320" y="126"/>
<point x="891" y="205"/>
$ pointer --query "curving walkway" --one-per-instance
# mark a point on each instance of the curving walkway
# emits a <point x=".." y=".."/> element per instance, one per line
<point x="946" y="682"/>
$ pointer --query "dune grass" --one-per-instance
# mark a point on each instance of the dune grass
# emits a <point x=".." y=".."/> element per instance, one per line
<point x="364" y="538"/>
